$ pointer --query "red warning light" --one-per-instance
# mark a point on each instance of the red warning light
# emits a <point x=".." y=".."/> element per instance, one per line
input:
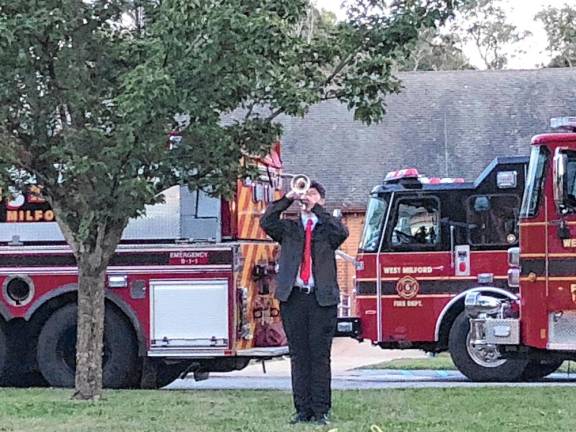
<point x="407" y="173"/>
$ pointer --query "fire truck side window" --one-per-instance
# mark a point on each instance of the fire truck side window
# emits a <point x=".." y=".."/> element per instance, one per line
<point x="417" y="224"/>
<point x="571" y="178"/>
<point x="534" y="181"/>
<point x="493" y="219"/>
<point x="377" y="208"/>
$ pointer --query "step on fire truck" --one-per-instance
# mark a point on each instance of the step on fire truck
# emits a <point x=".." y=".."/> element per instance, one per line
<point x="538" y="326"/>
<point x="427" y="243"/>
<point x="189" y="290"/>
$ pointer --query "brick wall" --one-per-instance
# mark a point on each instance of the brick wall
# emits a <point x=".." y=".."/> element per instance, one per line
<point x="346" y="270"/>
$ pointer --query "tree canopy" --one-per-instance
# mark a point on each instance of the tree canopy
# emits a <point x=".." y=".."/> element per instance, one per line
<point x="90" y="91"/>
<point x="484" y="23"/>
<point x="436" y="51"/>
<point x="560" y="26"/>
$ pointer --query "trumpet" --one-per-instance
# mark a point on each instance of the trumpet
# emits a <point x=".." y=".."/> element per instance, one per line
<point x="299" y="185"/>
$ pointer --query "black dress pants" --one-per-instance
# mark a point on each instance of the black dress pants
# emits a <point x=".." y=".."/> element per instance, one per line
<point x="309" y="328"/>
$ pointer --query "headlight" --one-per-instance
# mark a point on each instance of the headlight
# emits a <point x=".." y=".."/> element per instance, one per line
<point x="476" y="304"/>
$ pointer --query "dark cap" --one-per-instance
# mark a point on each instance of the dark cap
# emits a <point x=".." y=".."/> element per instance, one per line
<point x="321" y="190"/>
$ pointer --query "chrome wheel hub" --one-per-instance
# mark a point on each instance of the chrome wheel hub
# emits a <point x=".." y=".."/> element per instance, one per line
<point x="485" y="355"/>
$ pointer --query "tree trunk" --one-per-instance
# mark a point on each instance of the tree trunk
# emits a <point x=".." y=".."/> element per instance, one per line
<point x="89" y="343"/>
<point x="92" y="253"/>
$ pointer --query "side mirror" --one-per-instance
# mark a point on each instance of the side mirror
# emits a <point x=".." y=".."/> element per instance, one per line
<point x="559" y="182"/>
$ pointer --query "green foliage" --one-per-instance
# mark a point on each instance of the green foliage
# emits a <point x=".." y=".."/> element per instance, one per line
<point x="436" y="51"/>
<point x="316" y="22"/>
<point x="89" y="91"/>
<point x="560" y="26"/>
<point x="484" y="22"/>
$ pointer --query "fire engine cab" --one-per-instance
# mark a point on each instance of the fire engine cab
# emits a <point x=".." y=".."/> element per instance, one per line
<point x="189" y="290"/>
<point x="538" y="327"/>
<point x="426" y="244"/>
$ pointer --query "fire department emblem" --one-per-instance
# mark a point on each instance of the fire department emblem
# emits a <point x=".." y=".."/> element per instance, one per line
<point x="407" y="287"/>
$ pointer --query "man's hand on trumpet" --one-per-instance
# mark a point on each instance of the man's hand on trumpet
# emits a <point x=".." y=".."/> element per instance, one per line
<point x="293" y="195"/>
<point x="308" y="200"/>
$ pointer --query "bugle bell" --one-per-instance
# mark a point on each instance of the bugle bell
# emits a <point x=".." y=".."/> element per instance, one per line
<point x="299" y="185"/>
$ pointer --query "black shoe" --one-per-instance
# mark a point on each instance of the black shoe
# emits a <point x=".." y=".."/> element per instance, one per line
<point x="321" y="420"/>
<point x="300" y="418"/>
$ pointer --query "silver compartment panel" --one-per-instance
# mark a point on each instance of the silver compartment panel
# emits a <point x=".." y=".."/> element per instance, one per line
<point x="502" y="331"/>
<point x="562" y="330"/>
<point x="189" y="313"/>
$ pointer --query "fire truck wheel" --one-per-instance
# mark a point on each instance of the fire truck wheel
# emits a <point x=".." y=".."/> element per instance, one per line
<point x="3" y="353"/>
<point x="537" y="369"/>
<point x="480" y="363"/>
<point x="57" y="349"/>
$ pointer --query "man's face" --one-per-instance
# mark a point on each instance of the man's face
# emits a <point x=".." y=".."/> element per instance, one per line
<point x="312" y="198"/>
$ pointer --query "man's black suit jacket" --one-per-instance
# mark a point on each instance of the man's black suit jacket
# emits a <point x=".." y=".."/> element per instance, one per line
<point x="329" y="233"/>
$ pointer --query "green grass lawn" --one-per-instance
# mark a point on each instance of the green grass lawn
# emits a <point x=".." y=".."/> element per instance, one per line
<point x="440" y="362"/>
<point x="480" y="409"/>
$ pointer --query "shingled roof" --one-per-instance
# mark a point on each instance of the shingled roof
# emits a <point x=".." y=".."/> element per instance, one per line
<point x="443" y="123"/>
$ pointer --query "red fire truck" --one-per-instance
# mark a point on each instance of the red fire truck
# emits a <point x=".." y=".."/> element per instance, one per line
<point x="426" y="244"/>
<point x="539" y="326"/>
<point x="189" y="290"/>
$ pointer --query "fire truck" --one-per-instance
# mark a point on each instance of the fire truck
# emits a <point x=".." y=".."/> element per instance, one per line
<point x="427" y="245"/>
<point x="189" y="290"/>
<point x="539" y="325"/>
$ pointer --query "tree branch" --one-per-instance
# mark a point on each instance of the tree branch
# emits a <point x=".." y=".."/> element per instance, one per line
<point x="327" y="81"/>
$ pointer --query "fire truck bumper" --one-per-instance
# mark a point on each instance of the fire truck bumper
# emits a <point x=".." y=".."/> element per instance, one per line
<point x="486" y="323"/>
<point x="495" y="331"/>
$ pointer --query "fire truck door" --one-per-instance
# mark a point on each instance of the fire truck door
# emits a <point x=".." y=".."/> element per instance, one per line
<point x="416" y="267"/>
<point x="558" y="265"/>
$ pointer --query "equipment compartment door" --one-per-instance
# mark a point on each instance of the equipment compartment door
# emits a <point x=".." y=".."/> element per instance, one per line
<point x="189" y="313"/>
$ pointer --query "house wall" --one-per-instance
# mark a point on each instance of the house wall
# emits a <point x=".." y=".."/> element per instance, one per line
<point x="346" y="271"/>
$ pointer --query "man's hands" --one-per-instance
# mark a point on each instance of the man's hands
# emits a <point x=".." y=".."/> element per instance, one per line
<point x="308" y="200"/>
<point x="292" y="195"/>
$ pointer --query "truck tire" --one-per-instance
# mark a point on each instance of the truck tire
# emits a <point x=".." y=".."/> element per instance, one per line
<point x="57" y="349"/>
<point x="3" y="353"/>
<point x="537" y="369"/>
<point x="480" y="364"/>
<point x="20" y="360"/>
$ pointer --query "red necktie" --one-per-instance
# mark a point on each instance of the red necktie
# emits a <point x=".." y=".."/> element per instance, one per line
<point x="306" y="267"/>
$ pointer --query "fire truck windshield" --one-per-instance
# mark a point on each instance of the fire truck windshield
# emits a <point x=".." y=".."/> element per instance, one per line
<point x="534" y="181"/>
<point x="377" y="208"/>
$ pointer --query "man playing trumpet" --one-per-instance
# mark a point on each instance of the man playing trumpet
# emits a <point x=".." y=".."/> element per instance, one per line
<point x="308" y="292"/>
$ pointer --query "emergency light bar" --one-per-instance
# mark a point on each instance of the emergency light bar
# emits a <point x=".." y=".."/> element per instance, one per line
<point x="568" y="123"/>
<point x="408" y="173"/>
<point x="413" y="174"/>
<point x="438" y="180"/>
